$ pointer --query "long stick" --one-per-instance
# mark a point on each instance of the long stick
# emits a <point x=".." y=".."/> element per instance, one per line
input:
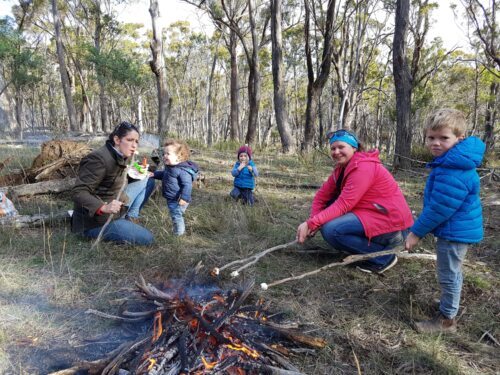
<point x="348" y="260"/>
<point x="110" y="217"/>
<point x="251" y="259"/>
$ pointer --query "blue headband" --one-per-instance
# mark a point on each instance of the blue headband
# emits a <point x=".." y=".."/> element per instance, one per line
<point x="346" y="137"/>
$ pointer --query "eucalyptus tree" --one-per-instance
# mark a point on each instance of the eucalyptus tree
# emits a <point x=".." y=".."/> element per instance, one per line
<point x="21" y="64"/>
<point x="357" y="45"/>
<point x="325" y="24"/>
<point x="407" y="69"/>
<point x="481" y="16"/>
<point x="158" y="67"/>
<point x="278" y="78"/>
<point x="66" y="85"/>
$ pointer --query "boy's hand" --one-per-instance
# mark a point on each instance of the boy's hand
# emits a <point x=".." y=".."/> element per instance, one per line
<point x="250" y="168"/>
<point x="242" y="165"/>
<point x="411" y="241"/>
<point x="182" y="202"/>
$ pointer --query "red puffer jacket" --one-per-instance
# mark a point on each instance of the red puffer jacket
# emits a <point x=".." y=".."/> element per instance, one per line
<point x="369" y="191"/>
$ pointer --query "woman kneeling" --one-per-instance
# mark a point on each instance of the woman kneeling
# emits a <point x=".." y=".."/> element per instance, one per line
<point x="360" y="209"/>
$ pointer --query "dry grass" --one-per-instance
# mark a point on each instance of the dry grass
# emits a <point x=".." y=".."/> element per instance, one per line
<point x="49" y="277"/>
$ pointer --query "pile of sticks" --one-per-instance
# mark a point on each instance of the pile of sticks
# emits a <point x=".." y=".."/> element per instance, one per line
<point x="200" y="329"/>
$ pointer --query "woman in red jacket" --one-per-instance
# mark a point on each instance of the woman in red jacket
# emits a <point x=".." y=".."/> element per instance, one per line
<point x="360" y="208"/>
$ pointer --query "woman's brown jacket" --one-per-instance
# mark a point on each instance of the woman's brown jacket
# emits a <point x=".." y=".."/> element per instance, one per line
<point x="100" y="178"/>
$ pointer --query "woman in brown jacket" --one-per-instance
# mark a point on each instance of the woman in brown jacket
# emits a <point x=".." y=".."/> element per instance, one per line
<point x="100" y="178"/>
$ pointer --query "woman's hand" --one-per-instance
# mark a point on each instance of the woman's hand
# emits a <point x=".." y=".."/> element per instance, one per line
<point x="303" y="232"/>
<point x="112" y="208"/>
<point x="411" y="241"/>
<point x="182" y="202"/>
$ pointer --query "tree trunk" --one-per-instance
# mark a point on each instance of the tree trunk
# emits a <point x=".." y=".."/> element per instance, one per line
<point x="209" y="99"/>
<point x="158" y="67"/>
<point x="280" y="112"/>
<point x="315" y="86"/>
<point x="73" y="124"/>
<point x="18" y="100"/>
<point x="490" y="117"/>
<point x="254" y="80"/>
<point x="234" y="113"/>
<point x="403" y="86"/>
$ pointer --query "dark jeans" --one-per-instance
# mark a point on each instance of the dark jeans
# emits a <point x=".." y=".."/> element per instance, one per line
<point x="246" y="195"/>
<point x="346" y="233"/>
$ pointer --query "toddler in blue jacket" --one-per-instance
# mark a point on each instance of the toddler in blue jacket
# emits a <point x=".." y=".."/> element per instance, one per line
<point x="452" y="209"/>
<point x="177" y="181"/>
<point x="244" y="173"/>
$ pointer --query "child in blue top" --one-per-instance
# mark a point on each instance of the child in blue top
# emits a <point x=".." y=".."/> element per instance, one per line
<point x="177" y="181"/>
<point x="244" y="173"/>
<point x="452" y="209"/>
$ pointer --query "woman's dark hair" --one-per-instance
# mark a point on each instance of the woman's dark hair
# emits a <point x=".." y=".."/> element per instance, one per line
<point x="121" y="130"/>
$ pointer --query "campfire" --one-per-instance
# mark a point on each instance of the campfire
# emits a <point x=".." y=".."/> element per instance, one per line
<point x="200" y="329"/>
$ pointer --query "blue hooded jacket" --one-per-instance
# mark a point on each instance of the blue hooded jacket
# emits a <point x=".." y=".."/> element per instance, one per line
<point x="244" y="178"/>
<point x="452" y="208"/>
<point x="177" y="180"/>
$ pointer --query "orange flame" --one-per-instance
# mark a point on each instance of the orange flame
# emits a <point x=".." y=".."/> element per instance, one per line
<point x="245" y="349"/>
<point x="157" y="327"/>
<point x="152" y="362"/>
<point x="208" y="365"/>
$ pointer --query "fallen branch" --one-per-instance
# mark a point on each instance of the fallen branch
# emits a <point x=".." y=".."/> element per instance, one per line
<point x="22" y="221"/>
<point x="351" y="259"/>
<point x="250" y="260"/>
<point x="45" y="187"/>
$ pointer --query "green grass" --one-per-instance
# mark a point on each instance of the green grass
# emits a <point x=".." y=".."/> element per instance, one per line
<point x="49" y="276"/>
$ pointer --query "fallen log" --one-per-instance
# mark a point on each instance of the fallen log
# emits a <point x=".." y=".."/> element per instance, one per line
<point x="45" y="187"/>
<point x="22" y="221"/>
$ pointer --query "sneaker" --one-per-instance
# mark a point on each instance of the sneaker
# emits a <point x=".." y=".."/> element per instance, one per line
<point x="369" y="267"/>
<point x="438" y="324"/>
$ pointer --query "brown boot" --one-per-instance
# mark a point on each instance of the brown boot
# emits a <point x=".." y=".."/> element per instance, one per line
<point x="438" y="324"/>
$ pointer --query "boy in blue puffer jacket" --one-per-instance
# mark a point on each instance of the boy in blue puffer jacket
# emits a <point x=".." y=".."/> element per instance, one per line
<point x="244" y="173"/>
<point x="452" y="209"/>
<point x="177" y="181"/>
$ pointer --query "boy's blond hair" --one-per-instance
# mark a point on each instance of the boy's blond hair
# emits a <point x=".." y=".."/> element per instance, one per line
<point x="181" y="148"/>
<point x="447" y="118"/>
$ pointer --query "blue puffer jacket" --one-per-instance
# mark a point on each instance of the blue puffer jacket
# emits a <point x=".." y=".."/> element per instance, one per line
<point x="244" y="178"/>
<point x="177" y="180"/>
<point x="452" y="208"/>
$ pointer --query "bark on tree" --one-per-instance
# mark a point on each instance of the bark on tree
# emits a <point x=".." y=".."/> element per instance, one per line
<point x="234" y="89"/>
<point x="279" y="88"/>
<point x="403" y="85"/>
<point x="210" y="130"/>
<point x="158" y="67"/>
<point x="254" y="80"/>
<point x="73" y="124"/>
<point x="315" y="86"/>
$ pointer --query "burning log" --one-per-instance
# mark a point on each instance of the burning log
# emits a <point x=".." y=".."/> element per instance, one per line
<point x="202" y="329"/>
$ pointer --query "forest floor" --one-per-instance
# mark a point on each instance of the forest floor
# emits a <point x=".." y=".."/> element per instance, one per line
<point x="50" y="277"/>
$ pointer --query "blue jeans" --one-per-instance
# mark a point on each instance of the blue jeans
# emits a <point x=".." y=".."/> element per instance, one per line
<point x="346" y="233"/>
<point x="123" y="231"/>
<point x="450" y="257"/>
<point x="246" y="195"/>
<point x="138" y="193"/>
<point x="177" y="215"/>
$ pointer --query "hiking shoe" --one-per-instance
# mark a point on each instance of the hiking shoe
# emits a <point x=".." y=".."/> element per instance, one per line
<point x="438" y="324"/>
<point x="369" y="267"/>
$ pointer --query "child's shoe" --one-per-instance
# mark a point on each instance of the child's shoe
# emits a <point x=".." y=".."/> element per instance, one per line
<point x="438" y="324"/>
